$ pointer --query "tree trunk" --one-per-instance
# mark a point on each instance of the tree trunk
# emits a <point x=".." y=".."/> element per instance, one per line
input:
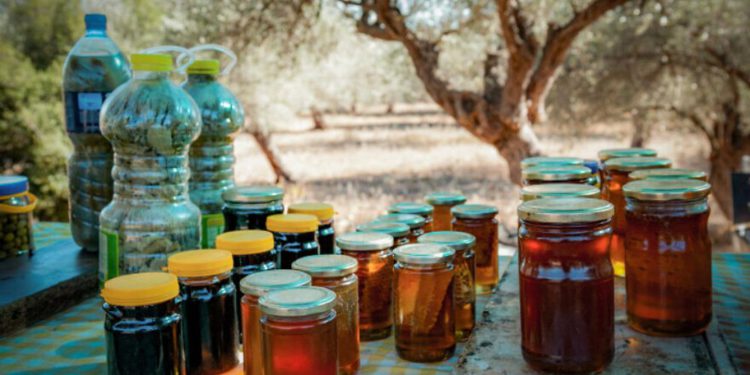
<point x="723" y="162"/>
<point x="516" y="148"/>
<point x="317" y="117"/>
<point x="640" y="132"/>
<point x="265" y="146"/>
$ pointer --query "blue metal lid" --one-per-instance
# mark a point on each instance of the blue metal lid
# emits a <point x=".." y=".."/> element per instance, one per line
<point x="10" y="185"/>
<point x="95" y="21"/>
<point x="592" y="164"/>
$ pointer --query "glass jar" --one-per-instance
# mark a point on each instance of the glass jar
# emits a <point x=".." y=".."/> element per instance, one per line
<point x="399" y="232"/>
<point x="464" y="274"/>
<point x="416" y="223"/>
<point x="142" y="324"/>
<point x="337" y="273"/>
<point x="668" y="174"/>
<point x="411" y="208"/>
<point x="93" y="69"/>
<point x="616" y="174"/>
<point x="324" y="212"/>
<point x="248" y="207"/>
<point x="550" y="160"/>
<point x="16" y="219"/>
<point x="423" y="306"/>
<point x="549" y="174"/>
<point x="151" y="123"/>
<point x="209" y="316"/>
<point x="479" y="221"/>
<point x="252" y="251"/>
<point x="295" y="236"/>
<point x="372" y="250"/>
<point x="442" y="204"/>
<point x="299" y="331"/>
<point x="566" y="284"/>
<point x="558" y="190"/>
<point x="668" y="256"/>
<point x="253" y="287"/>
<point x="212" y="154"/>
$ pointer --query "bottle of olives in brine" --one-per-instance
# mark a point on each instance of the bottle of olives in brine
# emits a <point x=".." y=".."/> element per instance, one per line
<point x="92" y="70"/>
<point x="151" y="123"/>
<point x="212" y="155"/>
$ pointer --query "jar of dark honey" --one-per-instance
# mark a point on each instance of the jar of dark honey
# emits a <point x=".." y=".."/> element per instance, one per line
<point x="668" y="174"/>
<point x="247" y="207"/>
<point x="423" y="302"/>
<point x="399" y="232"/>
<point x="616" y="174"/>
<point x="324" y="212"/>
<point x="412" y="208"/>
<point x="299" y="331"/>
<point x="464" y="274"/>
<point x="479" y="221"/>
<point x="668" y="256"/>
<point x="558" y="190"/>
<point x="550" y="174"/>
<point x="566" y="284"/>
<point x="294" y="235"/>
<point x="372" y="250"/>
<point x="550" y="160"/>
<point x="416" y="223"/>
<point x="442" y="204"/>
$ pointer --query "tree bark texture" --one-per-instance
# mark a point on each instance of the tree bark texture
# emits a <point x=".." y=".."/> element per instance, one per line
<point x="264" y="143"/>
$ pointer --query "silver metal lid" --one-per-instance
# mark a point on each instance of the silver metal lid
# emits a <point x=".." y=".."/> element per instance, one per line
<point x="253" y="194"/>
<point x="413" y="208"/>
<point x="474" y="211"/>
<point x="454" y="240"/>
<point x="612" y="153"/>
<point x="260" y="283"/>
<point x="666" y="190"/>
<point x="445" y="199"/>
<point x="301" y="301"/>
<point x="565" y="210"/>
<point x="422" y="253"/>
<point x="326" y="265"/>
<point x="367" y="240"/>
<point x="558" y="190"/>
<point x="667" y="174"/>
<point x="636" y="163"/>
<point x="413" y="221"/>
<point x="549" y="160"/>
<point x="392" y="228"/>
<point x="556" y="172"/>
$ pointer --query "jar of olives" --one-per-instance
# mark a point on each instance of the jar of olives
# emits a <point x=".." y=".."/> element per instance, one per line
<point x="16" y="204"/>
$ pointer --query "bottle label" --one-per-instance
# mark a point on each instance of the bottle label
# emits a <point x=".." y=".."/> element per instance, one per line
<point x="82" y="111"/>
<point x="212" y="225"/>
<point x="109" y="255"/>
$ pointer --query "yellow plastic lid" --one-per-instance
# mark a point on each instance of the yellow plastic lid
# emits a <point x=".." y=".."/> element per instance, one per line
<point x="292" y="223"/>
<point x="141" y="289"/>
<point x="245" y="242"/>
<point x="211" y="67"/>
<point x="323" y="211"/>
<point x="198" y="263"/>
<point x="151" y="62"/>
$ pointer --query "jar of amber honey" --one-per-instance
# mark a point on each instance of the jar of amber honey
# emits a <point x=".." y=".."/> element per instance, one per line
<point x="298" y="327"/>
<point x="247" y="207"/>
<point x="550" y="160"/>
<point x="416" y="223"/>
<point x="337" y="273"/>
<point x="668" y="174"/>
<point x="558" y="190"/>
<point x="616" y="174"/>
<point x="442" y="204"/>
<point x="464" y="269"/>
<point x="294" y="235"/>
<point x="252" y="251"/>
<point x="479" y="221"/>
<point x="566" y="284"/>
<point x="423" y="302"/>
<point x="412" y="208"/>
<point x="253" y="287"/>
<point x="668" y="256"/>
<point x="324" y="212"/>
<point x="549" y="174"/>
<point x="372" y="250"/>
<point x="399" y="232"/>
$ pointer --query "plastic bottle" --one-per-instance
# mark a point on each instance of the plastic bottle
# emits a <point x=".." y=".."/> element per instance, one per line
<point x="94" y="68"/>
<point x="151" y="123"/>
<point x="212" y="155"/>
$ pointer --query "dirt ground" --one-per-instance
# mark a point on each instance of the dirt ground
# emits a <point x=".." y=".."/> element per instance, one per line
<point x="363" y="163"/>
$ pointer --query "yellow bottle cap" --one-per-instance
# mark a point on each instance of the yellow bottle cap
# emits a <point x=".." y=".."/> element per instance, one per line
<point x="292" y="223"/>
<point x="151" y="62"/>
<point x="198" y="263"/>
<point x="141" y="289"/>
<point x="204" y="67"/>
<point x="245" y="242"/>
<point x="323" y="211"/>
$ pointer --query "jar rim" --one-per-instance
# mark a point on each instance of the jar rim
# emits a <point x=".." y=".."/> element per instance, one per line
<point x="565" y="210"/>
<point x="260" y="283"/>
<point x="667" y="173"/>
<point x="392" y="228"/>
<point x="635" y="163"/>
<point x="253" y="194"/>
<point x="611" y="153"/>
<point x="556" y="172"/>
<point x="423" y="254"/>
<point x="295" y="302"/>
<point x="550" y="160"/>
<point x="413" y="221"/>
<point x="442" y="198"/>
<point x="474" y="211"/>
<point x="414" y="208"/>
<point x="365" y="240"/>
<point x="453" y="239"/>
<point x="326" y="265"/>
<point x="558" y="190"/>
<point x="666" y="190"/>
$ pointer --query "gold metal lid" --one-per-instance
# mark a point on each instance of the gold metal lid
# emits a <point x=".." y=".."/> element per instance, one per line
<point x="666" y="190"/>
<point x="445" y="199"/>
<point x="422" y="253"/>
<point x="454" y="240"/>
<point x="612" y="153"/>
<point x="326" y="265"/>
<point x="301" y="301"/>
<point x="667" y="174"/>
<point x="368" y="241"/>
<point x="558" y="190"/>
<point x="565" y="210"/>
<point x="556" y="172"/>
<point x="550" y="160"/>
<point x="636" y="163"/>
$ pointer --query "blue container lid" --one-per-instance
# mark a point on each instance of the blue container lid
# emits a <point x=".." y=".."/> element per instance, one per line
<point x="10" y="185"/>
<point x="592" y="164"/>
<point x="95" y="21"/>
